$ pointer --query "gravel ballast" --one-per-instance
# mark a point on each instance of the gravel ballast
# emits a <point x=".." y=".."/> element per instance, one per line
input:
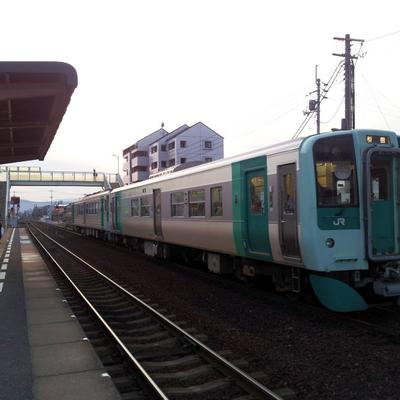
<point x="316" y="357"/>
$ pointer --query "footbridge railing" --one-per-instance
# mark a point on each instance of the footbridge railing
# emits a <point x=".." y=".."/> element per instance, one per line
<point x="34" y="176"/>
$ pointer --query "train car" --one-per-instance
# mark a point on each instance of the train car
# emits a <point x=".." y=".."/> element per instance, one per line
<point x="320" y="212"/>
<point x="91" y="215"/>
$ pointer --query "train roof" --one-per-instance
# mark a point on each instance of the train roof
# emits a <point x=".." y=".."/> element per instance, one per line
<point x="277" y="148"/>
<point x="91" y="196"/>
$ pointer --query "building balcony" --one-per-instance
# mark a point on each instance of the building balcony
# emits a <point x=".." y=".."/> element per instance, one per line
<point x="139" y="161"/>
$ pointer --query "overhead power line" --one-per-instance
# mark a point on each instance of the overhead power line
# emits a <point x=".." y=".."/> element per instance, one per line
<point x="329" y="85"/>
<point x="383" y="36"/>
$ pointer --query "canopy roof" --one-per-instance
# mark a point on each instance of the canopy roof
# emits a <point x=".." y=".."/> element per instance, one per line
<point x="33" y="99"/>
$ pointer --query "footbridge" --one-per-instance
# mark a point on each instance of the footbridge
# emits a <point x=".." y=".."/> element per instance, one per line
<point x="34" y="176"/>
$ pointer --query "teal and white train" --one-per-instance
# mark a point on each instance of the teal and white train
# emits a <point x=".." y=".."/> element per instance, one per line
<point x="319" y="212"/>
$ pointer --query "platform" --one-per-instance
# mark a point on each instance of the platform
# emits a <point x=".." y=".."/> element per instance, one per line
<point x="44" y="354"/>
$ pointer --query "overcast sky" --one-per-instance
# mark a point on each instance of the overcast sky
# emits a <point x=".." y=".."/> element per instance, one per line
<point x="243" y="68"/>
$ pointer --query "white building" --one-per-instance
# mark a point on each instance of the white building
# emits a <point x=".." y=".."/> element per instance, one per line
<point x="160" y="150"/>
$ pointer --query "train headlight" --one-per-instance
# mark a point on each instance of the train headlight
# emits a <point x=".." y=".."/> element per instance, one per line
<point x="329" y="242"/>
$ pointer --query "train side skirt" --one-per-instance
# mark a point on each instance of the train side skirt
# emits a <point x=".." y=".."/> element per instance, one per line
<point x="337" y="295"/>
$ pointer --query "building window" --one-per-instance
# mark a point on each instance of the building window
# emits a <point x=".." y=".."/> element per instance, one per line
<point x="183" y="143"/>
<point x="140" y="168"/>
<point x="163" y="147"/>
<point x="197" y="203"/>
<point x="154" y="165"/>
<point x="163" y="164"/>
<point x="183" y="160"/>
<point x="154" y="149"/>
<point x="216" y="201"/>
<point x="140" y="154"/>
<point x="171" y="146"/>
<point x="135" y="207"/>
<point x="208" y="144"/>
<point x="208" y="159"/>
<point x="145" y="206"/>
<point x="177" y="204"/>
<point x="171" y="162"/>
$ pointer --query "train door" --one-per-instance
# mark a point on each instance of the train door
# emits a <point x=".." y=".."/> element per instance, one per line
<point x="257" y="224"/>
<point x="116" y="212"/>
<point x="383" y="201"/>
<point x="107" y="211"/>
<point x="288" y="211"/>
<point x="102" y="212"/>
<point x="157" y="212"/>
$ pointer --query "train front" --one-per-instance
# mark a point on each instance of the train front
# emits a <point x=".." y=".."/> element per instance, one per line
<point x="354" y="250"/>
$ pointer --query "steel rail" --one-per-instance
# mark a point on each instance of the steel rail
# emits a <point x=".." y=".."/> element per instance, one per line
<point x="245" y="381"/>
<point x="151" y="385"/>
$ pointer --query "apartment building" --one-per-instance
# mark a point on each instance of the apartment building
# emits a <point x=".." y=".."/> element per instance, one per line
<point x="161" y="150"/>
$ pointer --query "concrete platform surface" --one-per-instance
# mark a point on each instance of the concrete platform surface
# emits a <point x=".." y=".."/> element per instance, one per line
<point x="44" y="352"/>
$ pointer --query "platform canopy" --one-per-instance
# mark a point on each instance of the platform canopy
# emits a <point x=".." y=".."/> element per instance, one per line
<point x="33" y="99"/>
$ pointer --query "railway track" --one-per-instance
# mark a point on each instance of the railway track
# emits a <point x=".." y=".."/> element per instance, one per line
<point x="381" y="318"/>
<point x="147" y="355"/>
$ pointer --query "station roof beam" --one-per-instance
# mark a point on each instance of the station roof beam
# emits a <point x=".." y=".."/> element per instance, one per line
<point x="33" y="99"/>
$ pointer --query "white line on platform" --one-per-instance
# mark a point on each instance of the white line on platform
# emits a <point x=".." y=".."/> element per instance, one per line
<point x="5" y="259"/>
<point x="2" y="275"/>
<point x="4" y="267"/>
<point x="1" y="287"/>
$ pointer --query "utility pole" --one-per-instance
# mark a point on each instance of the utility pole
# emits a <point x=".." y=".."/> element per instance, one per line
<point x="51" y="198"/>
<point x="349" y="120"/>
<point x="315" y="105"/>
<point x="318" y="82"/>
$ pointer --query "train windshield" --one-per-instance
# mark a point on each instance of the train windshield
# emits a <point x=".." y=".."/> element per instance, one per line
<point x="335" y="172"/>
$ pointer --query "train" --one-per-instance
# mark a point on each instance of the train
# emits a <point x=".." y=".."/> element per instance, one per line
<point x="317" y="214"/>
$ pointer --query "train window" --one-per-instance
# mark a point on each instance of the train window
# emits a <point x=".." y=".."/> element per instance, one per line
<point x="145" y="206"/>
<point x="289" y="193"/>
<point x="135" y="207"/>
<point x="380" y="175"/>
<point x="216" y="201"/>
<point x="197" y="203"/>
<point x="257" y="195"/>
<point x="335" y="171"/>
<point x="177" y="204"/>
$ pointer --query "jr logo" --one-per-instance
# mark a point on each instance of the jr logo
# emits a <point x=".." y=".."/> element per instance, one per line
<point x="339" y="221"/>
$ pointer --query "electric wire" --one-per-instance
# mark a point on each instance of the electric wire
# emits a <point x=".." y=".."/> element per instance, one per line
<point x="383" y="36"/>
<point x="296" y="107"/>
<point x="335" y="113"/>
<point x="376" y="101"/>
<point x="329" y="85"/>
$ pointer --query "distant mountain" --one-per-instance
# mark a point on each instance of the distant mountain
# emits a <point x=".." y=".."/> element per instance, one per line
<point x="26" y="205"/>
